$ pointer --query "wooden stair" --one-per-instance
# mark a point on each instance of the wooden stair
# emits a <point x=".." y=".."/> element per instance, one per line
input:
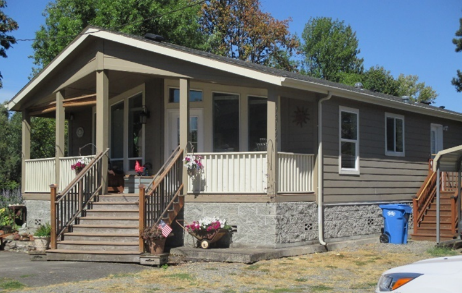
<point x="109" y="232"/>
<point x="426" y="228"/>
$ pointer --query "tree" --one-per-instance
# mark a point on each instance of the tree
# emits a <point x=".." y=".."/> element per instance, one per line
<point x="175" y="20"/>
<point x="239" y="29"/>
<point x="10" y="151"/>
<point x="330" y="48"/>
<point x="417" y="91"/>
<point x="7" y="24"/>
<point x="457" y="81"/>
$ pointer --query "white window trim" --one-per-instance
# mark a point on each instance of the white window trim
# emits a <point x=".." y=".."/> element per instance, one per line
<point x="348" y="171"/>
<point x="394" y="153"/>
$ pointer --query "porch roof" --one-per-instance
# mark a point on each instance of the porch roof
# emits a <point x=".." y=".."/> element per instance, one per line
<point x="449" y="160"/>
<point x="256" y="72"/>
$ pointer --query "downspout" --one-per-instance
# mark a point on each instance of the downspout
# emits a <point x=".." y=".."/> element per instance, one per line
<point x="320" y="172"/>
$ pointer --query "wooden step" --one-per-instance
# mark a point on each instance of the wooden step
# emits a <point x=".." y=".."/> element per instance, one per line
<point x="105" y="229"/>
<point x="98" y="245"/>
<point x="443" y="213"/>
<point x="124" y="197"/>
<point x="114" y="237"/>
<point x="115" y="206"/>
<point x="443" y="219"/>
<point x="432" y="225"/>
<point x="94" y="256"/>
<point x="432" y="237"/>
<point x="112" y="213"/>
<point x="108" y="220"/>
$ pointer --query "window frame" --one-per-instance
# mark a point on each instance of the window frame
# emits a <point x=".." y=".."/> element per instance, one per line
<point x="348" y="171"/>
<point x="190" y="90"/>
<point x="395" y="117"/>
<point x="238" y="95"/>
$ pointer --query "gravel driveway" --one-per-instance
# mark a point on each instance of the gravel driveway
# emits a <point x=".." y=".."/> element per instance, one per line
<point x="354" y="269"/>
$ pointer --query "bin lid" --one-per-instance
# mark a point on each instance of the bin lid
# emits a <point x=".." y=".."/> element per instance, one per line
<point x="400" y="207"/>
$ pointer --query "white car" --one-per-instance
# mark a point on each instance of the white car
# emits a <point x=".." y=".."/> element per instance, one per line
<point x="436" y="275"/>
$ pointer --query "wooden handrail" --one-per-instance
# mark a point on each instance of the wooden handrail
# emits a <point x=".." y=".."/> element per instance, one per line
<point x="424" y="186"/>
<point x="71" y="203"/>
<point x="161" y="194"/>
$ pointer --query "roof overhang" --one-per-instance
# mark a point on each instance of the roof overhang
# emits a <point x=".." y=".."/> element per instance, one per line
<point x="368" y="98"/>
<point x="448" y="160"/>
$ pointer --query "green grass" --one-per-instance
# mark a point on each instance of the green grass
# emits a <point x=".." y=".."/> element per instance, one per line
<point x="183" y="276"/>
<point x="364" y="286"/>
<point x="320" y="288"/>
<point x="121" y="275"/>
<point x="301" y="280"/>
<point x="27" y="276"/>
<point x="253" y="267"/>
<point x="9" y="284"/>
<point x="441" y="251"/>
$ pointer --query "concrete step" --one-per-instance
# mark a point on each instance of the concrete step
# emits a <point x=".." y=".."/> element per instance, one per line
<point x="108" y="220"/>
<point x="99" y="245"/>
<point x="94" y="256"/>
<point x="123" y="197"/>
<point x="115" y="205"/>
<point x="106" y="229"/>
<point x="115" y="237"/>
<point x="113" y="213"/>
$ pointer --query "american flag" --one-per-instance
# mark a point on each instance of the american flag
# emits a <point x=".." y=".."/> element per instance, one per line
<point x="165" y="228"/>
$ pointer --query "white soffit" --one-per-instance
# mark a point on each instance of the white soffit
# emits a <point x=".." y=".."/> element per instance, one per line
<point x="448" y="160"/>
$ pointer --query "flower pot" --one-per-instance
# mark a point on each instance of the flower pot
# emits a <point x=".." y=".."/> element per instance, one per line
<point x="41" y="242"/>
<point x="156" y="246"/>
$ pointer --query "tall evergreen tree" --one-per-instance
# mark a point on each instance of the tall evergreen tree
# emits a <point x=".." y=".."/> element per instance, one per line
<point x="457" y="81"/>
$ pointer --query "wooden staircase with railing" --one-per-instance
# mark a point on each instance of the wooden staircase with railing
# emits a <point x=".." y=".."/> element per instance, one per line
<point x="91" y="227"/>
<point x="424" y="208"/>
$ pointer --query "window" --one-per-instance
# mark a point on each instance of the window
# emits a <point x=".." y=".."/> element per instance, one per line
<point x="225" y="122"/>
<point x="394" y="135"/>
<point x="257" y="123"/>
<point x="174" y="96"/>
<point x="349" y="141"/>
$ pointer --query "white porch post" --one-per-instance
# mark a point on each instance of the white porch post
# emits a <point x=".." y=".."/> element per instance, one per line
<point x="102" y="120"/>
<point x="59" y="144"/>
<point x="25" y="146"/>
<point x="272" y="142"/>
<point x="184" y="124"/>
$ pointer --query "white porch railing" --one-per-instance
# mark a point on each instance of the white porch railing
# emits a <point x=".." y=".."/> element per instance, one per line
<point x="246" y="172"/>
<point x="40" y="173"/>
<point x="295" y="172"/>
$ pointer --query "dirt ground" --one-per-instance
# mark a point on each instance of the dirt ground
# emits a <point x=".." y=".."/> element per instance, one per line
<point x="355" y="269"/>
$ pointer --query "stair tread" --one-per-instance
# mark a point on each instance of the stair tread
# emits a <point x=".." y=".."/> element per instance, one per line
<point x="99" y="234"/>
<point x="114" y="203"/>
<point x="120" y="195"/>
<point x="106" y="226"/>
<point x="434" y="234"/>
<point x="122" y="211"/>
<point x="80" y="242"/>
<point x="109" y="218"/>
<point x="109" y="252"/>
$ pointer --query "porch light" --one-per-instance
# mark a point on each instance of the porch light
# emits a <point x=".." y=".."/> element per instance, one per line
<point x="144" y="115"/>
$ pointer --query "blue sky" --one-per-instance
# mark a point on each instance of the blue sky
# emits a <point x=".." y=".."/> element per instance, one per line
<point x="409" y="37"/>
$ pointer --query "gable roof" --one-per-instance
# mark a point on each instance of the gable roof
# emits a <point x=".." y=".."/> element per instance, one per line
<point x="250" y="70"/>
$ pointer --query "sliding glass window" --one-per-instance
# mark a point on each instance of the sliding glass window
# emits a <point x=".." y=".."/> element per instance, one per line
<point x="225" y="122"/>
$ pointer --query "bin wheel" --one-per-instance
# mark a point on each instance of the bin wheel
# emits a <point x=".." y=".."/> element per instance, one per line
<point x="205" y="244"/>
<point x="384" y="238"/>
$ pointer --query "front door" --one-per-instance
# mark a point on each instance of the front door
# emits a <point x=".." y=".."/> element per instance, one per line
<point x="172" y="136"/>
<point x="436" y="136"/>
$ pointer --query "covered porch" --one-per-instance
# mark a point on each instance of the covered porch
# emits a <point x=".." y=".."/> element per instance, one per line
<point x="262" y="142"/>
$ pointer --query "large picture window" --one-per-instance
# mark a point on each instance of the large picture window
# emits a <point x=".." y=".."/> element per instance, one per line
<point x="349" y="141"/>
<point x="225" y="122"/>
<point x="394" y="135"/>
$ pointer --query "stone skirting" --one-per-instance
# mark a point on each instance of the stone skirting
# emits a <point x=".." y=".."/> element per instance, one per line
<point x="38" y="212"/>
<point x="288" y="223"/>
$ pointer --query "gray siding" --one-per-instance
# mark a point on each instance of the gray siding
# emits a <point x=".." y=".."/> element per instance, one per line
<point x="296" y="138"/>
<point x="381" y="178"/>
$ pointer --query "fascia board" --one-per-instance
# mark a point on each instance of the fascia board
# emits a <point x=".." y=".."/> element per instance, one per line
<point x="204" y="61"/>
<point x="368" y="98"/>
<point x="22" y="93"/>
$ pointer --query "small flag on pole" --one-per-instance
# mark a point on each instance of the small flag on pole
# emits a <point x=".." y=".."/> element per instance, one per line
<point x="166" y="230"/>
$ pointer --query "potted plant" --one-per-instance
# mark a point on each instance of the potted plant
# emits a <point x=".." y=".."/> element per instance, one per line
<point x="193" y="164"/>
<point x="6" y="220"/>
<point x="208" y="230"/>
<point x="42" y="237"/>
<point x="79" y="165"/>
<point x="154" y="239"/>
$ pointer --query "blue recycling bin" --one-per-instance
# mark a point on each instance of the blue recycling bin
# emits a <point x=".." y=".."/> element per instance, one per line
<point x="395" y="221"/>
